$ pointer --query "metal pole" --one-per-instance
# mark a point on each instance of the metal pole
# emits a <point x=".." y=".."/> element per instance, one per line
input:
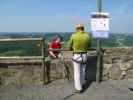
<point x="99" y="5"/>
<point x="99" y="57"/>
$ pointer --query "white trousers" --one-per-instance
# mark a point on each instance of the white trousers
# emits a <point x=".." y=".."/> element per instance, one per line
<point x="79" y="70"/>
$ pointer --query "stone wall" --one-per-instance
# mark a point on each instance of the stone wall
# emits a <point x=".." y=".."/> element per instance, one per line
<point x="117" y="64"/>
<point x="22" y="75"/>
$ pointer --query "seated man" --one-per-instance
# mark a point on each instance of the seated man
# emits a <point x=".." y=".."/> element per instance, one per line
<point x="54" y="44"/>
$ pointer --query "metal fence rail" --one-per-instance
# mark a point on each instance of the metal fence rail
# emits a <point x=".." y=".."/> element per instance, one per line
<point x="21" y="57"/>
<point x="20" y="39"/>
<point x="35" y="58"/>
<point x="30" y="59"/>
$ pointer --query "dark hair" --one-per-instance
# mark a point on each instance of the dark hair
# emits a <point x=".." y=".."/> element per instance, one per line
<point x="58" y="37"/>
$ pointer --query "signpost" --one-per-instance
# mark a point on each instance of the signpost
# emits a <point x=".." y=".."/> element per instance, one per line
<point x="100" y="29"/>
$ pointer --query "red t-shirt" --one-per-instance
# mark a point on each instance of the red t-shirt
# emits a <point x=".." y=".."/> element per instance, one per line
<point x="54" y="45"/>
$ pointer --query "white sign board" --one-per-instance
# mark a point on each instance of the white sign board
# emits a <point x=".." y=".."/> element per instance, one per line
<point x="100" y="25"/>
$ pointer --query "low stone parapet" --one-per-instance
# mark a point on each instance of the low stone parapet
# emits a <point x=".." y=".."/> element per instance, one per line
<point x="117" y="64"/>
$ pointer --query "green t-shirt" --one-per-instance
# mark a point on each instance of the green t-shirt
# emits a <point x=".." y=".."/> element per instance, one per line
<point x="80" y="42"/>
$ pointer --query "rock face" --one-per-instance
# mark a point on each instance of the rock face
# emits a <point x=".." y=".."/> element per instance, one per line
<point x="117" y="64"/>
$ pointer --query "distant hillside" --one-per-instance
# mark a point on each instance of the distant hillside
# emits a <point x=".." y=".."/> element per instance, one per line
<point x="114" y="40"/>
<point x="9" y="49"/>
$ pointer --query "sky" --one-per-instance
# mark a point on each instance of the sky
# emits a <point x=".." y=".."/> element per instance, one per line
<point x="61" y="15"/>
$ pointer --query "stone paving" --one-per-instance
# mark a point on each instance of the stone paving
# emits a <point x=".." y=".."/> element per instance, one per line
<point x="63" y="90"/>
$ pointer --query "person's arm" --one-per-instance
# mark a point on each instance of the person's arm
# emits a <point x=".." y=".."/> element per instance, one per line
<point x="89" y="41"/>
<point x="60" y="45"/>
<point x="70" y="43"/>
<point x="52" y="54"/>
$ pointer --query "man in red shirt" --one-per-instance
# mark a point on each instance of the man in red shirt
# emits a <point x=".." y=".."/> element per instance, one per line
<point x="54" y="44"/>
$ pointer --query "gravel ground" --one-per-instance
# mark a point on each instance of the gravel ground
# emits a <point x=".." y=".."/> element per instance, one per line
<point x="62" y="90"/>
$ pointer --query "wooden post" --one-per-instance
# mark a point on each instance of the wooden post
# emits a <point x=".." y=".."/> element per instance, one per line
<point x="43" y="61"/>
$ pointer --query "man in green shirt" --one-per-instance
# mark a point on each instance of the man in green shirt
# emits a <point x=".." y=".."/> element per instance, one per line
<point x="79" y="43"/>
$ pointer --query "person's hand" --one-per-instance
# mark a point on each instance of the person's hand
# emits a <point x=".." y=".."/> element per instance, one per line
<point x="53" y="55"/>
